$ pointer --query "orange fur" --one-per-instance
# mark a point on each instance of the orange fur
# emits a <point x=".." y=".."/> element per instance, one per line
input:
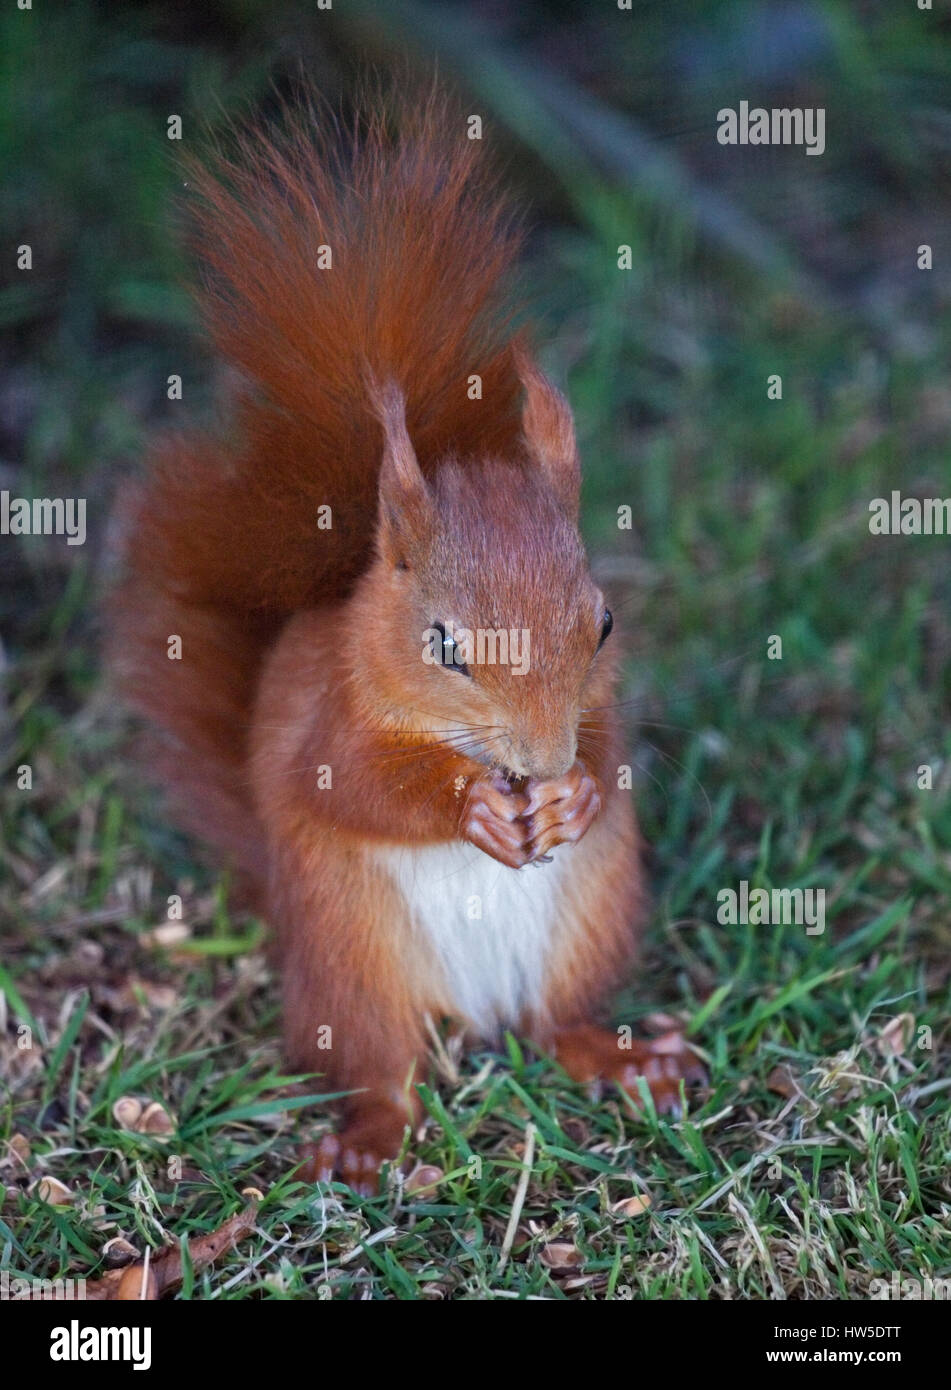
<point x="302" y="646"/>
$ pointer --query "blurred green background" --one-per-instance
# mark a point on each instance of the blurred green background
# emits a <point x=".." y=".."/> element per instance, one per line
<point x="750" y="514"/>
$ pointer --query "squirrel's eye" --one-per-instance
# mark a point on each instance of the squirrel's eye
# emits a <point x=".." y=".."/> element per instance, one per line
<point x="606" y="627"/>
<point x="449" y="651"/>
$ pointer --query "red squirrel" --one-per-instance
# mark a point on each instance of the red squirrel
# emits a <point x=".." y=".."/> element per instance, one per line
<point x="428" y="833"/>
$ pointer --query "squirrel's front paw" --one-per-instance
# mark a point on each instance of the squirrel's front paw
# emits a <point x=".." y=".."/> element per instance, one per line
<point x="492" y="823"/>
<point x="561" y="811"/>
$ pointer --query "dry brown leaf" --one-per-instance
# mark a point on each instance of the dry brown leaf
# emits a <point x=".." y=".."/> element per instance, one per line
<point x="632" y="1206"/>
<point x="168" y="934"/>
<point x="53" y="1191"/>
<point x="156" y="1121"/>
<point x="159" y="996"/>
<point x="424" y="1175"/>
<point x="561" y="1254"/>
<point x="576" y="1130"/>
<point x="896" y="1036"/>
<point x="165" y="1268"/>
<point x="127" y="1112"/>
<point x="135" y="1283"/>
<point x="18" y="1151"/>
<point x="782" y="1082"/>
<point x="118" y="1252"/>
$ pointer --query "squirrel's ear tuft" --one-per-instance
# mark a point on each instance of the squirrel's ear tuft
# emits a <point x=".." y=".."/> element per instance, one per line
<point x="405" y="500"/>
<point x="550" y="433"/>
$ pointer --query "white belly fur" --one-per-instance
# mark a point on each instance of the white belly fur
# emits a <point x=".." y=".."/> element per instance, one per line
<point x="495" y="966"/>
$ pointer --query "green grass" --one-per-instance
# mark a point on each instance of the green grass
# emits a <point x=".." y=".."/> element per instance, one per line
<point x="750" y="520"/>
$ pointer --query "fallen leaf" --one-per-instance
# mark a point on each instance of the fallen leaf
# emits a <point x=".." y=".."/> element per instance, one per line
<point x="159" y="996"/>
<point x="138" y="1283"/>
<point x="168" y="934"/>
<point x="156" y="1120"/>
<point x="782" y="1082"/>
<point x="895" y="1038"/>
<point x="560" y="1254"/>
<point x="53" y="1191"/>
<point x="165" y="1268"/>
<point x="18" y="1151"/>
<point x="576" y="1130"/>
<point x="118" y="1252"/>
<point x="127" y="1112"/>
<point x="423" y="1176"/>
<point x="632" y="1206"/>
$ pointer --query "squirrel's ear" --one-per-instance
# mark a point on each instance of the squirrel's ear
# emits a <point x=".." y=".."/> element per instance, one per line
<point x="550" y="433"/>
<point x="405" y="500"/>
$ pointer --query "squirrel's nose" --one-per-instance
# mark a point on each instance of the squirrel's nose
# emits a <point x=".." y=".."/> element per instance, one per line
<point x="546" y="758"/>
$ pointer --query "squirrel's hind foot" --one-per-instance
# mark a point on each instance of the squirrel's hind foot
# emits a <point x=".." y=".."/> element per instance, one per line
<point x="596" y="1055"/>
<point x="357" y="1154"/>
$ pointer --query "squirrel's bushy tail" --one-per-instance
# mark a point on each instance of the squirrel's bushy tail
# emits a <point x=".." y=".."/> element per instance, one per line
<point x="327" y="256"/>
